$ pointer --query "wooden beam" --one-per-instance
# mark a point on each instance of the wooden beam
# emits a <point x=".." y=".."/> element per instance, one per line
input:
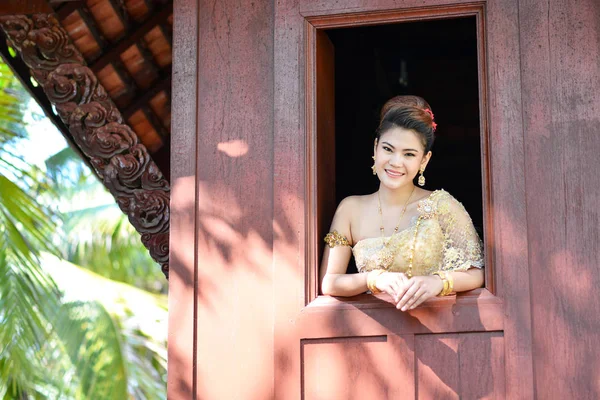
<point x="163" y="83"/>
<point x="130" y="84"/>
<point x="65" y="9"/>
<point x="137" y="33"/>
<point x="155" y="121"/>
<point x="21" y="71"/>
<point x="14" y="7"/>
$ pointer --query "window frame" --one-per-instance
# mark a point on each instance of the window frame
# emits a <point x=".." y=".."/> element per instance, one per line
<point x="313" y="29"/>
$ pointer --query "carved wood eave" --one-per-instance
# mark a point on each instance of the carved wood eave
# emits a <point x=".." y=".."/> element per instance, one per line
<point x="96" y="126"/>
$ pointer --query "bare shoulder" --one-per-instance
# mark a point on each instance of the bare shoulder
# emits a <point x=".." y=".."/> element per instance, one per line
<point x="421" y="194"/>
<point x="352" y="204"/>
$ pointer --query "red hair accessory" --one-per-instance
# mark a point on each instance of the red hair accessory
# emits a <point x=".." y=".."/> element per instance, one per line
<point x="433" y="124"/>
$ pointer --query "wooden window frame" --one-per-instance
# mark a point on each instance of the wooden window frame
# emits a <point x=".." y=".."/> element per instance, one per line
<point x="315" y="26"/>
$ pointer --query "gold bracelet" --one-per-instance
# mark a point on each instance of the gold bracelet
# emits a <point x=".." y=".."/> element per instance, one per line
<point x="450" y="283"/>
<point x="446" y="288"/>
<point x="372" y="279"/>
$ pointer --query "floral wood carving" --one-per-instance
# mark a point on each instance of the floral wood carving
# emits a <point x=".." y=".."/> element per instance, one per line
<point x="97" y="127"/>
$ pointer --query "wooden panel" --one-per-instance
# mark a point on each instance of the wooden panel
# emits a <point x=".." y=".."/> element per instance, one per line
<point x="369" y="315"/>
<point x="481" y="365"/>
<point x="560" y="51"/>
<point x="465" y="365"/>
<point x="234" y="230"/>
<point x="438" y="375"/>
<point x="289" y="219"/>
<point x="183" y="276"/>
<point x="506" y="228"/>
<point x="376" y="367"/>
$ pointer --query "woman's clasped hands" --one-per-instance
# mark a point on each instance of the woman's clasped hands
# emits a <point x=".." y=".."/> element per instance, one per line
<point x="408" y="293"/>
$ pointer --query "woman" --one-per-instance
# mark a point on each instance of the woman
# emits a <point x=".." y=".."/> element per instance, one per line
<point x="408" y="242"/>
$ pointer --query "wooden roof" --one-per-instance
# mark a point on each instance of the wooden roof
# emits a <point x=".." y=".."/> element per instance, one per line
<point x="127" y="44"/>
<point x="123" y="47"/>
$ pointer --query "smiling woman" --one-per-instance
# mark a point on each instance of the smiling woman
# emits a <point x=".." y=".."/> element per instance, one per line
<point x="408" y="242"/>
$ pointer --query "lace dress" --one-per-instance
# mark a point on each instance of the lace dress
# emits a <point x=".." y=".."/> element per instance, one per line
<point x="442" y="235"/>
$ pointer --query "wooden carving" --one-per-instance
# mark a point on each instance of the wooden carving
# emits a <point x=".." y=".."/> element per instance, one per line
<point x="121" y="161"/>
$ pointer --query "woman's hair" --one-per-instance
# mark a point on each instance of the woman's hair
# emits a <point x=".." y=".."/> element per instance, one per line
<point x="408" y="112"/>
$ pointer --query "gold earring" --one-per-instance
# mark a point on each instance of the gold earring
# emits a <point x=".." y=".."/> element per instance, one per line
<point x="373" y="168"/>
<point x="421" y="180"/>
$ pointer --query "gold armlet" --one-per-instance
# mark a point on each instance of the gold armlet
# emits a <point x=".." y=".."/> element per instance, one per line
<point x="336" y="239"/>
<point x="372" y="280"/>
<point x="447" y="281"/>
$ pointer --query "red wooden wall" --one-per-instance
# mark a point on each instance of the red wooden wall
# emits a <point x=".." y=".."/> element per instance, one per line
<point x="221" y="339"/>
<point x="238" y="285"/>
<point x="560" y="74"/>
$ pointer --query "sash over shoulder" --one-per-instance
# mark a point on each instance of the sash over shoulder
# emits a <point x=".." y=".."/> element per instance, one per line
<point x="441" y="237"/>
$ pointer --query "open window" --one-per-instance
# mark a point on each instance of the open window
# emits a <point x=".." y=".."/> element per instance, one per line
<point x="356" y="68"/>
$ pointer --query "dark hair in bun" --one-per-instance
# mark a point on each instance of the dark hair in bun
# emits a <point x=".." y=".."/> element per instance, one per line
<point x="408" y="112"/>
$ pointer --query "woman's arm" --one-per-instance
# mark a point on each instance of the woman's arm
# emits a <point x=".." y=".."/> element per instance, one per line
<point x="467" y="280"/>
<point x="420" y="288"/>
<point x="334" y="280"/>
<point x="342" y="284"/>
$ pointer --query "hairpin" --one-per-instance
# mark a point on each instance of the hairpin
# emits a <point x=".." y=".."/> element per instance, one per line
<point x="433" y="124"/>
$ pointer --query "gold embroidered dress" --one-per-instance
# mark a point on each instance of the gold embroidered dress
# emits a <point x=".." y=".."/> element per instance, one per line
<point x="442" y="235"/>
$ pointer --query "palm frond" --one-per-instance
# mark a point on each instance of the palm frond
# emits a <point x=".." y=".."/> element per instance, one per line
<point x="139" y="317"/>
<point x="92" y="341"/>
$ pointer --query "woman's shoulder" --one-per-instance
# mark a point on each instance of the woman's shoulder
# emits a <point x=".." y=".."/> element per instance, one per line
<point x="440" y="195"/>
<point x="443" y="202"/>
<point x="351" y="203"/>
<point x="357" y="199"/>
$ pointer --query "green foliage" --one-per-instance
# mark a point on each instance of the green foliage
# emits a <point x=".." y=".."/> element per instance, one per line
<point x="54" y="345"/>
<point x="86" y="330"/>
<point x="139" y="316"/>
<point x="95" y="232"/>
<point x="25" y="230"/>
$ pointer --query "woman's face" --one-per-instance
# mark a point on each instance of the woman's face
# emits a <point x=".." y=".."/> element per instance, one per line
<point x="399" y="154"/>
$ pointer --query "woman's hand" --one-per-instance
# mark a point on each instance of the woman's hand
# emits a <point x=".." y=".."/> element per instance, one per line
<point x="416" y="290"/>
<point x="391" y="283"/>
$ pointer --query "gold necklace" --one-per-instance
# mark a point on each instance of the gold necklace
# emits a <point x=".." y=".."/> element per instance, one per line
<point x="382" y="228"/>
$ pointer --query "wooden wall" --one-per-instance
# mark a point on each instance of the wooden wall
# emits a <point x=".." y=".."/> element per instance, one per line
<point x="237" y="183"/>
<point x="221" y="306"/>
<point x="560" y="67"/>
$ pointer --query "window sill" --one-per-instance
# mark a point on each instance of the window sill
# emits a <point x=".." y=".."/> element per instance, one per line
<point x="382" y="300"/>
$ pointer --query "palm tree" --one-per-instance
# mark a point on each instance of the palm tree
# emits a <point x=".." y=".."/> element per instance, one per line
<point x="55" y="343"/>
<point x="25" y="229"/>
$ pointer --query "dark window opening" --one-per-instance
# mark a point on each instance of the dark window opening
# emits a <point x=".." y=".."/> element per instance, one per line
<point x="436" y="60"/>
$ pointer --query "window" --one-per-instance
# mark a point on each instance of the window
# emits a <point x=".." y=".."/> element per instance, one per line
<point x="356" y="69"/>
